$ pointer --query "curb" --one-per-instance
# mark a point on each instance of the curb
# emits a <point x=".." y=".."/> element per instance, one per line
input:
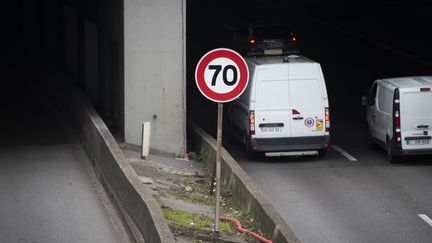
<point x="141" y="214"/>
<point x="245" y="193"/>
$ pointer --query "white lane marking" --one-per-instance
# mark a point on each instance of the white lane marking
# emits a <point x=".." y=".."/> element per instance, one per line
<point x="344" y="153"/>
<point x="426" y="219"/>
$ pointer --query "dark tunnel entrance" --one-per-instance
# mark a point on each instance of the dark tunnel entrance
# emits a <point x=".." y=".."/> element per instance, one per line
<point x="355" y="42"/>
<point x="81" y="39"/>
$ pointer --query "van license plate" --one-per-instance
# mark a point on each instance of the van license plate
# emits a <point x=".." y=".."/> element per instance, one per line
<point x="418" y="142"/>
<point x="271" y="129"/>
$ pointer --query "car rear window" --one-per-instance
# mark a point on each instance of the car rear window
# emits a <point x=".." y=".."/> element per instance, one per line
<point x="417" y="104"/>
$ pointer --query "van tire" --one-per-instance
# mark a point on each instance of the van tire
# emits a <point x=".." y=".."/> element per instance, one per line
<point x="390" y="155"/>
<point x="231" y="136"/>
<point x="322" y="153"/>
<point x="370" y="142"/>
<point x="250" y="154"/>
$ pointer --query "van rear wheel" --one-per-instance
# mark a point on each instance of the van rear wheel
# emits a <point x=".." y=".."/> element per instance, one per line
<point x="250" y="154"/>
<point x="371" y="144"/>
<point x="393" y="158"/>
<point x="322" y="153"/>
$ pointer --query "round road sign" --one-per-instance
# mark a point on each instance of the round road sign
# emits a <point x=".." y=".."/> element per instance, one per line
<point x="221" y="75"/>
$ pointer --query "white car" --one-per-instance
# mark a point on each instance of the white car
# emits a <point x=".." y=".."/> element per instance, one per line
<point x="284" y="107"/>
<point x="399" y="115"/>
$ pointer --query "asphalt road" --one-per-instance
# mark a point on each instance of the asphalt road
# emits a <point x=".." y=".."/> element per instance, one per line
<point x="337" y="199"/>
<point x="359" y="198"/>
<point x="47" y="193"/>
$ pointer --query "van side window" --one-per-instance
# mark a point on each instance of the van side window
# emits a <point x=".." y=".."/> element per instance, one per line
<point x="388" y="106"/>
<point x="372" y="94"/>
<point x="383" y="100"/>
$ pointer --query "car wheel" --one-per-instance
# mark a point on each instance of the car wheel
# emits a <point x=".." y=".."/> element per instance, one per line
<point x="231" y="135"/>
<point x="250" y="154"/>
<point x="390" y="155"/>
<point x="322" y="153"/>
<point x="371" y="144"/>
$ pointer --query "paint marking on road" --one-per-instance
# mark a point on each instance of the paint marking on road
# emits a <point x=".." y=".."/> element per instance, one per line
<point x="426" y="219"/>
<point x="344" y="153"/>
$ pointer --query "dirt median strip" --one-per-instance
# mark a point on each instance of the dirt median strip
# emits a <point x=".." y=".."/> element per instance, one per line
<point x="245" y="193"/>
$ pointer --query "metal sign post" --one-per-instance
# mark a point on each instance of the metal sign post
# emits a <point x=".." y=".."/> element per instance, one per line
<point x="218" y="164"/>
<point x="221" y="76"/>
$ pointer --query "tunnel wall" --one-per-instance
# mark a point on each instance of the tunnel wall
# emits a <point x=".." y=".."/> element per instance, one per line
<point x="154" y="66"/>
<point x="141" y="214"/>
<point x="128" y="56"/>
<point x="83" y="38"/>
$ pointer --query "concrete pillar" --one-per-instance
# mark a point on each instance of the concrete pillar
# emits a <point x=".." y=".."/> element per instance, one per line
<point x="31" y="25"/>
<point x="70" y="40"/>
<point x="91" y="65"/>
<point x="51" y="28"/>
<point x="154" y="44"/>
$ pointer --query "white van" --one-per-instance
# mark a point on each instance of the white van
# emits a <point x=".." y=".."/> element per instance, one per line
<point x="399" y="115"/>
<point x="284" y="107"/>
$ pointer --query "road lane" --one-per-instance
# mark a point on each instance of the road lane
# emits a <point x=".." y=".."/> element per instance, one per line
<point x="46" y="194"/>
<point x="334" y="199"/>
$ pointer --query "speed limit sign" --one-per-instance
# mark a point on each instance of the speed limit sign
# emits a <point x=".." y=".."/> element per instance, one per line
<point x="222" y="75"/>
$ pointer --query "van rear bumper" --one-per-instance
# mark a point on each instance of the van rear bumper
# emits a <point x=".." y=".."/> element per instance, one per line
<point x="290" y="144"/>
<point x="399" y="151"/>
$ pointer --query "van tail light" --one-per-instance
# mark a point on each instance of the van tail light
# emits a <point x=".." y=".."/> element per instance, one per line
<point x="396" y="118"/>
<point x="327" y="119"/>
<point x="252" y="122"/>
<point x="295" y="112"/>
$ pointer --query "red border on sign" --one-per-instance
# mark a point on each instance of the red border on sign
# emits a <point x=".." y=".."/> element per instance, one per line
<point x="202" y="65"/>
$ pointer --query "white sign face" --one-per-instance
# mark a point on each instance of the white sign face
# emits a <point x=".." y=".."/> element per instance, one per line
<point x="221" y="75"/>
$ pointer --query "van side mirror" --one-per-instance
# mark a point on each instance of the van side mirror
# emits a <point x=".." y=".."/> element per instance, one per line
<point x="365" y="101"/>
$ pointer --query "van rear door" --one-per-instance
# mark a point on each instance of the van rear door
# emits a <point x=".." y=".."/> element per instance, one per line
<point x="416" y="118"/>
<point x="272" y="108"/>
<point x="308" y="111"/>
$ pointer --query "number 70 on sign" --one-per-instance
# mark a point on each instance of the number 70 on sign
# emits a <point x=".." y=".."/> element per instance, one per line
<point x="221" y="75"/>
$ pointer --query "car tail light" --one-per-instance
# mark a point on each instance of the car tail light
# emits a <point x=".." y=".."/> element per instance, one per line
<point x="252" y="122"/>
<point x="295" y="112"/>
<point x="327" y="119"/>
<point x="252" y="41"/>
<point x="425" y="89"/>
<point x="396" y="117"/>
<point x="293" y="39"/>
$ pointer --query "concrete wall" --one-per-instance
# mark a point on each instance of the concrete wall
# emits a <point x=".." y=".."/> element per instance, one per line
<point x="70" y="40"/>
<point x="85" y="39"/>
<point x="154" y="71"/>
<point x="128" y="56"/>
<point x="142" y="215"/>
